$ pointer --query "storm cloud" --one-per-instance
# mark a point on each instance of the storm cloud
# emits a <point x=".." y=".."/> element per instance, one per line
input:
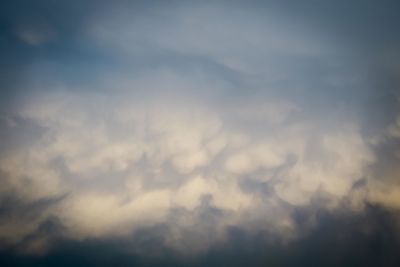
<point x="199" y="133"/>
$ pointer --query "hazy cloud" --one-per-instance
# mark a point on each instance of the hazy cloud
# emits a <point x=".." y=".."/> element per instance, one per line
<point x="191" y="128"/>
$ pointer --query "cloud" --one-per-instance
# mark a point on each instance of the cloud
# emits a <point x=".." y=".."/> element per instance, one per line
<point x="119" y="165"/>
<point x="35" y="36"/>
<point x="195" y="119"/>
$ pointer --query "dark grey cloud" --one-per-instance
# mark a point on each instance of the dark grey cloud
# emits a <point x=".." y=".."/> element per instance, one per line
<point x="342" y="239"/>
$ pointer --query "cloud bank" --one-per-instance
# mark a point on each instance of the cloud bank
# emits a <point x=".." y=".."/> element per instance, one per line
<point x="200" y="120"/>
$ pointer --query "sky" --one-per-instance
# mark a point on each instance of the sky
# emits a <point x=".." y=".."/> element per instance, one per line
<point x="199" y="133"/>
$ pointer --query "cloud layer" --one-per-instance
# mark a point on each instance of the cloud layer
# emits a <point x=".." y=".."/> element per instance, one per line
<point x="195" y="118"/>
<point x="112" y="164"/>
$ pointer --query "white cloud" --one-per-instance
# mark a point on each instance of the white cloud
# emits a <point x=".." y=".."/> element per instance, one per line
<point x="126" y="165"/>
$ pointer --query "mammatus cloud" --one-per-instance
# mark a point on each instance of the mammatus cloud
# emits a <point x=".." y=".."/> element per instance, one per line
<point x="200" y="128"/>
<point x="110" y="165"/>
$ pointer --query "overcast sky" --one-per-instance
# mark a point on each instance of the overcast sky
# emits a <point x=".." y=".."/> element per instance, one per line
<point x="199" y="133"/>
